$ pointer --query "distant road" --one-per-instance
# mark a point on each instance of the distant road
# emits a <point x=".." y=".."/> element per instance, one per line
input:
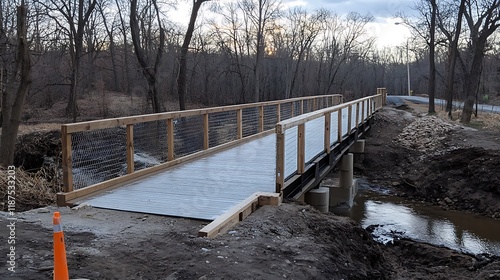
<point x="399" y="100"/>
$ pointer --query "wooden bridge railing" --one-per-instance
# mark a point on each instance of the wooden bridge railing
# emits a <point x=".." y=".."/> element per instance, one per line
<point x="299" y="140"/>
<point x="106" y="153"/>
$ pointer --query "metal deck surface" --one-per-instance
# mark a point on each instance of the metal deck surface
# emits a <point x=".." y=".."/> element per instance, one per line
<point x="207" y="187"/>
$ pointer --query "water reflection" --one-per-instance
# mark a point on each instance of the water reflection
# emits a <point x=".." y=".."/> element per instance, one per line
<point x="459" y="231"/>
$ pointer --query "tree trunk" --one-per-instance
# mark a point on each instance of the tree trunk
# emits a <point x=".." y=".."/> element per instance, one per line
<point x="12" y="112"/>
<point x="432" y="64"/>
<point x="452" y="61"/>
<point x="471" y="85"/>
<point x="181" y="79"/>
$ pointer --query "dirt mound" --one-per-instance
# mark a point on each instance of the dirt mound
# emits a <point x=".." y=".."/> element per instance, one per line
<point x="35" y="149"/>
<point x="460" y="179"/>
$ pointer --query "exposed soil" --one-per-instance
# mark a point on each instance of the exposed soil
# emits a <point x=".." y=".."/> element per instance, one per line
<point x="292" y="241"/>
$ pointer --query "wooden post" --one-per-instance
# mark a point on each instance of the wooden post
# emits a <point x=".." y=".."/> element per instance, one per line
<point x="261" y="118"/>
<point x="349" y="119"/>
<point x="302" y="106"/>
<point x="239" y="120"/>
<point x="206" y="125"/>
<point x="301" y="148"/>
<point x="280" y="160"/>
<point x="130" y="149"/>
<point x="315" y="104"/>
<point x="293" y="109"/>
<point x="328" y="116"/>
<point x="67" y="159"/>
<point x="339" y="127"/>
<point x="170" y="139"/>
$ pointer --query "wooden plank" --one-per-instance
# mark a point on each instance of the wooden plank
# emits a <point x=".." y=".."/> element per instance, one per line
<point x="236" y="214"/>
<point x="239" y="121"/>
<point x="301" y="107"/>
<point x="328" y="142"/>
<point x="206" y="139"/>
<point x="280" y="161"/>
<point x="301" y="148"/>
<point x="67" y="197"/>
<point x="67" y="159"/>
<point x="170" y="140"/>
<point x="130" y="148"/>
<point x="292" y="114"/>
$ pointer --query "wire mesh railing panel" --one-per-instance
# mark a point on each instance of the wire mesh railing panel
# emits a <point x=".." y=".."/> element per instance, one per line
<point x="296" y="108"/>
<point x="306" y="106"/>
<point x="188" y="135"/>
<point x="345" y="116"/>
<point x="270" y="116"/>
<point x="286" y="111"/>
<point x="98" y="155"/>
<point x="315" y="138"/>
<point x="334" y="127"/>
<point x="150" y="144"/>
<point x="250" y="121"/>
<point x="222" y="128"/>
<point x="353" y="117"/>
<point x="290" y="151"/>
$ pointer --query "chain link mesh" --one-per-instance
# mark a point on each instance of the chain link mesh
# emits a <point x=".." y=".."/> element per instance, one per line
<point x="150" y="144"/>
<point x="223" y="128"/>
<point x="286" y="111"/>
<point x="270" y="116"/>
<point x="250" y="121"/>
<point x="98" y="155"/>
<point x="188" y="135"/>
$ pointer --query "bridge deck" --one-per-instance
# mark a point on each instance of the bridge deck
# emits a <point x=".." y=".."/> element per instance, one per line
<point x="203" y="188"/>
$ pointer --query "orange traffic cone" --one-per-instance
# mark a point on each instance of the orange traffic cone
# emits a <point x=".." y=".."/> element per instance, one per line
<point x="60" y="263"/>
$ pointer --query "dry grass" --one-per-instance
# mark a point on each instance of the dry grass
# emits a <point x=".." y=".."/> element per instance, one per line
<point x="33" y="190"/>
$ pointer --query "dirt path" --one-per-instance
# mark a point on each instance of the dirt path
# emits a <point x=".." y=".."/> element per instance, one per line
<point x="292" y="241"/>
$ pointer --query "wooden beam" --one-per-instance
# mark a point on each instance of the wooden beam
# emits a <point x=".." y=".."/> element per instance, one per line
<point x="170" y="139"/>
<point x="130" y="148"/>
<point x="301" y="107"/>
<point x="67" y="159"/>
<point x="206" y="139"/>
<point x="301" y="148"/>
<point x="363" y="107"/>
<point x="280" y="162"/>
<point x="239" y="212"/>
<point x="293" y="109"/>
<point x="357" y="115"/>
<point x="239" y="121"/>
<point x="328" y="142"/>
<point x="278" y="113"/>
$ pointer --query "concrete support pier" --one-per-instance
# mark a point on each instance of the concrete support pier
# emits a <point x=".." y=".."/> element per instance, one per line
<point x="344" y="189"/>
<point x="319" y="198"/>
<point x="358" y="149"/>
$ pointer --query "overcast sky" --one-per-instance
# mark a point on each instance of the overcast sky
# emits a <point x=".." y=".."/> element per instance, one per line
<point x="383" y="11"/>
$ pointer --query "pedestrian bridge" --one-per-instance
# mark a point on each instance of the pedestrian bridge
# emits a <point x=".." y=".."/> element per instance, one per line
<point x="201" y="163"/>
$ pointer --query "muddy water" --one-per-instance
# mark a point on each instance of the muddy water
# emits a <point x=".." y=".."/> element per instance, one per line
<point x="390" y="217"/>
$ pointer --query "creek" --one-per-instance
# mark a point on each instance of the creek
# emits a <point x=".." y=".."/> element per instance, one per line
<point x="390" y="217"/>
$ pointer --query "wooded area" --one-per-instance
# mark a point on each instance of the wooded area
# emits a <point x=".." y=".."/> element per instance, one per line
<point x="242" y="51"/>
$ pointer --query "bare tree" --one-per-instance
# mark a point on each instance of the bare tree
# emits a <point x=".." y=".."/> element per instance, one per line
<point x="432" y="63"/>
<point x="181" y="79"/>
<point x="259" y="14"/>
<point x="18" y="87"/>
<point x="149" y="71"/>
<point x="483" y="19"/>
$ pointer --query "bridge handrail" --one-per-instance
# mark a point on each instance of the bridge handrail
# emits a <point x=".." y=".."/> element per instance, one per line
<point x="373" y="102"/>
<point x="79" y="140"/>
